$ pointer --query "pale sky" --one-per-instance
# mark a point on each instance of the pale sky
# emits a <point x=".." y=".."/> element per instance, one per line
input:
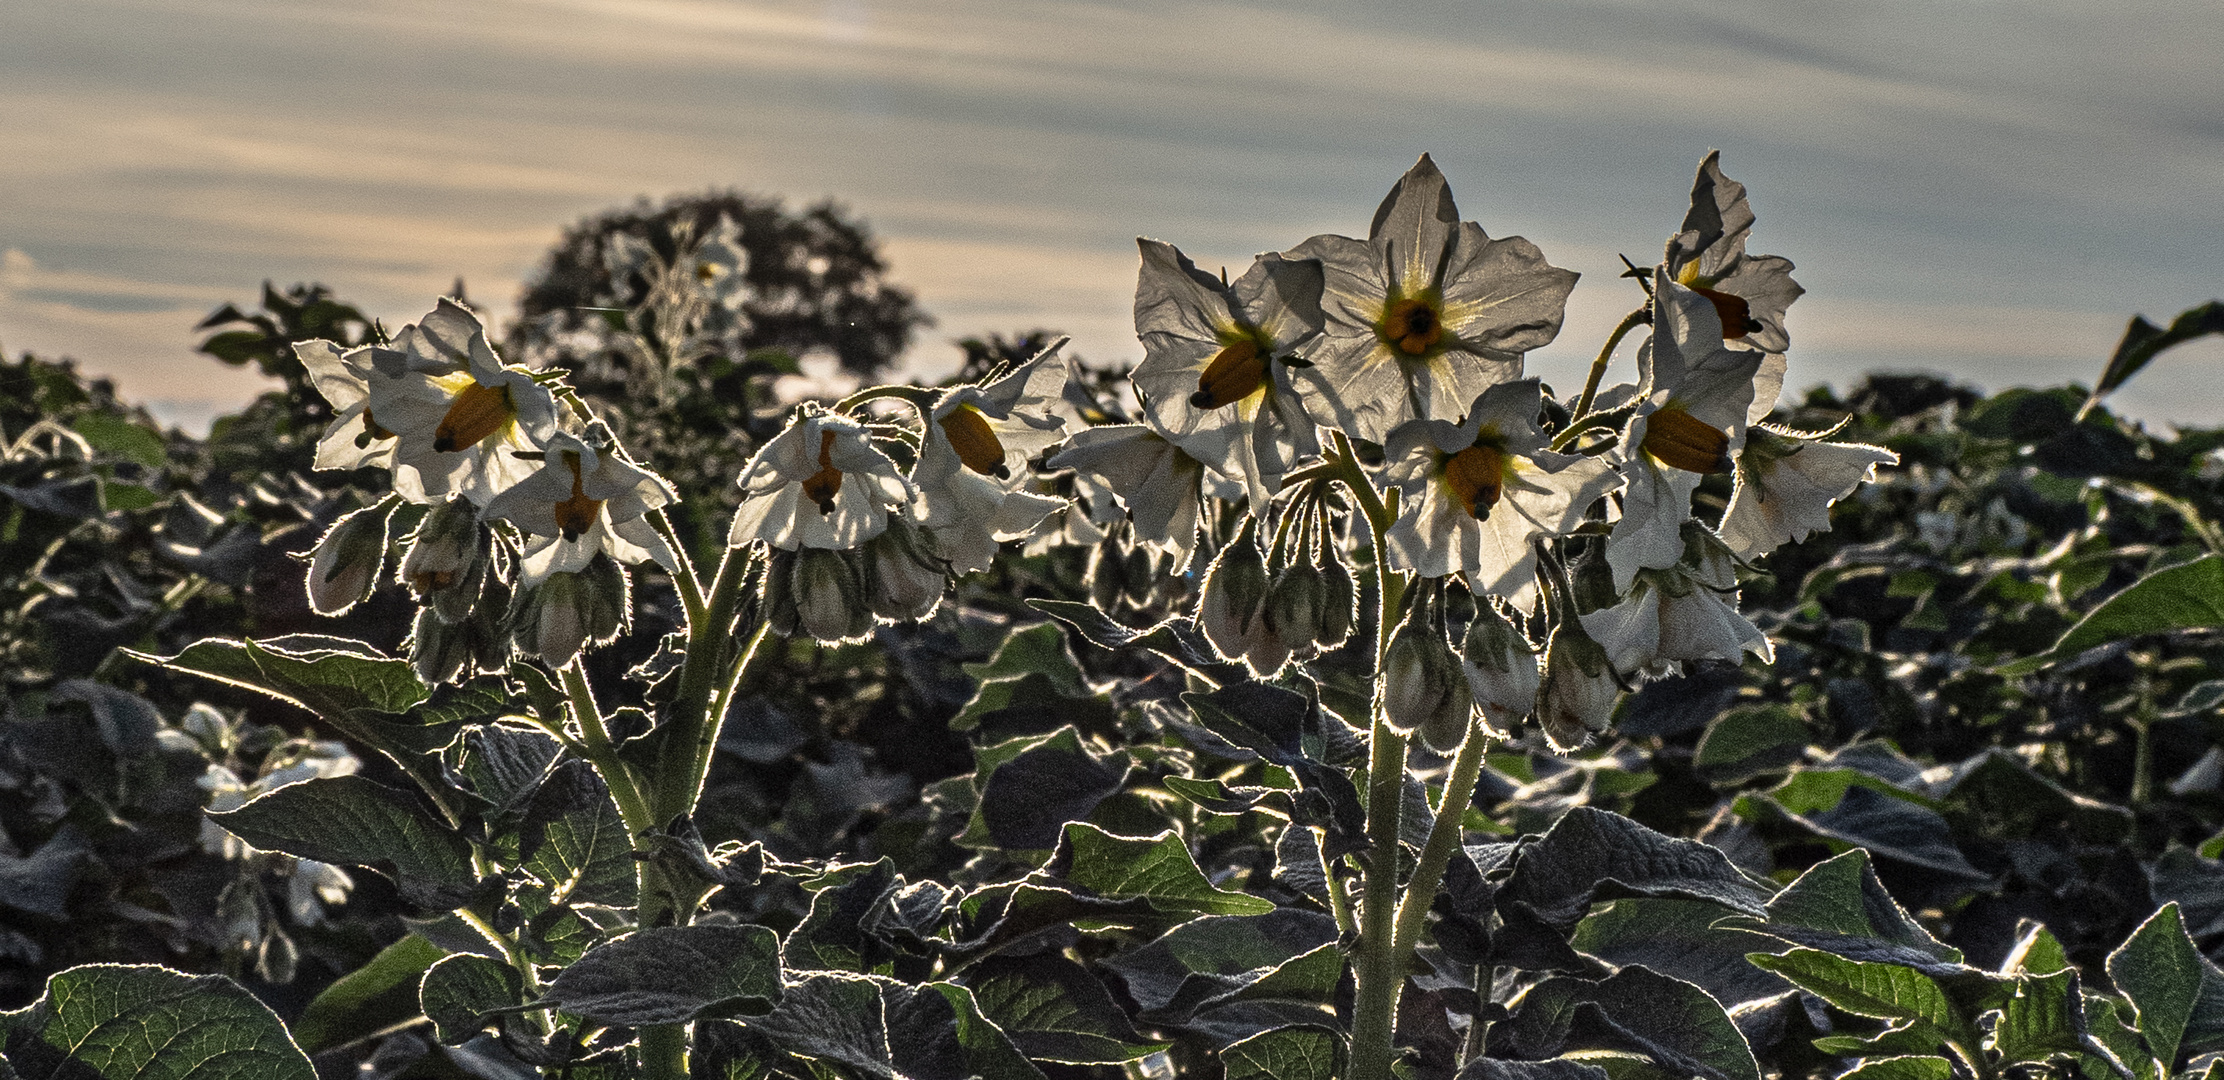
<point x="1984" y="187"/>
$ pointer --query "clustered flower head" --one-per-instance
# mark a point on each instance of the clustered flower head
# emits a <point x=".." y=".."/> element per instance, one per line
<point x="1345" y="403"/>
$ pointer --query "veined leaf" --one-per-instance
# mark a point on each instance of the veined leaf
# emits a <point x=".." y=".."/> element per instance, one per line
<point x="1156" y="869"/>
<point x="2182" y="597"/>
<point x="1054" y="1010"/>
<point x="673" y="974"/>
<point x="369" y="999"/>
<point x="2159" y="969"/>
<point x="116" y="1022"/>
<point x="1880" y="991"/>
<point x="350" y="820"/>
<point x="461" y="989"/>
<point x="1292" y="1053"/>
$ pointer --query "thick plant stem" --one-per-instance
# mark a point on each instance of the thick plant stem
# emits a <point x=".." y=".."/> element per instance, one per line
<point x="1629" y="322"/>
<point x="1380" y="973"/>
<point x="1444" y="836"/>
<point x="703" y="676"/>
<point x="603" y="753"/>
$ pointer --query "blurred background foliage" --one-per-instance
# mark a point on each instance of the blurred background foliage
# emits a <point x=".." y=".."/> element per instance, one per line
<point x="2083" y="797"/>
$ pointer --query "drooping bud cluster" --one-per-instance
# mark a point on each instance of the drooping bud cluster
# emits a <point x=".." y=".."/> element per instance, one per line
<point x="1423" y="686"/>
<point x="1501" y="668"/>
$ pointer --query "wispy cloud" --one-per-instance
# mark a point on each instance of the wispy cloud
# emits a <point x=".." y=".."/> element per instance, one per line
<point x="1969" y="186"/>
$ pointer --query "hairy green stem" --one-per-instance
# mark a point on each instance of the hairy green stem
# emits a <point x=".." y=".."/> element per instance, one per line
<point x="684" y="580"/>
<point x="1380" y="974"/>
<point x="1629" y="322"/>
<point x="918" y="397"/>
<point x="602" y="751"/>
<point x="1444" y="836"/>
<point x="677" y="783"/>
<point x="1339" y="896"/>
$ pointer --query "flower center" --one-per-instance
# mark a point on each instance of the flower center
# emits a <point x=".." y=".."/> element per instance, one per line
<point x="1685" y="442"/>
<point x="821" y="487"/>
<point x="706" y="272"/>
<point x="479" y="411"/>
<point x="975" y="442"/>
<point x="1234" y="374"/>
<point x="1737" y="317"/>
<point x="1475" y="476"/>
<point x="1412" y="326"/>
<point x="576" y="515"/>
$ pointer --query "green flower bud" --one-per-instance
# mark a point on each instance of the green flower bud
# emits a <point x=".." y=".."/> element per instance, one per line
<point x="1579" y="691"/>
<point x="608" y="599"/>
<point x="344" y="567"/>
<point x="1232" y="611"/>
<point x="779" y="594"/>
<point x="1293" y="606"/>
<point x="829" y="591"/>
<point x="552" y="620"/>
<point x="1339" y="600"/>
<point x="1422" y="686"/>
<point x="448" y="558"/>
<point x="438" y="649"/>
<point x="902" y="583"/>
<point x="1501" y="668"/>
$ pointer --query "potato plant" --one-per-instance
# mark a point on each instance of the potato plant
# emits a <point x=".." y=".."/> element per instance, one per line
<point x="1342" y="703"/>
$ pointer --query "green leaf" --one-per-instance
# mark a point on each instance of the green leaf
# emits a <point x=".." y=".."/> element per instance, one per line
<point x="1291" y="1053"/>
<point x="673" y="974"/>
<point x="1155" y="869"/>
<point x="1880" y="991"/>
<point x="2182" y="597"/>
<point x="881" y="1028"/>
<point x="1489" y="1068"/>
<point x="1678" y="938"/>
<point x="459" y="992"/>
<point x="362" y="692"/>
<point x="1033" y="667"/>
<point x="1032" y="786"/>
<point x="1746" y="742"/>
<point x="2159" y="969"/>
<point x="1206" y="961"/>
<point x="350" y="820"/>
<point x="2045" y="1019"/>
<point x="2143" y="340"/>
<point x="832" y="936"/>
<point x="574" y="840"/>
<point x="112" y="1022"/>
<point x="1592" y="854"/>
<point x="1909" y="1067"/>
<point x="117" y="437"/>
<point x="1668" y="1021"/>
<point x="1839" y="905"/>
<point x="2036" y="952"/>
<point x="370" y="999"/>
<point x="1054" y="1010"/>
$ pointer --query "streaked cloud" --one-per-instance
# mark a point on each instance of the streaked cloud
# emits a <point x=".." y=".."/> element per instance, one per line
<point x="1985" y="186"/>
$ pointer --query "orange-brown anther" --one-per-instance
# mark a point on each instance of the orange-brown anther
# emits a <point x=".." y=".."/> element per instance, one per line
<point x="576" y="515"/>
<point x="1685" y="442"/>
<point x="705" y="272"/>
<point x="975" y="442"/>
<point x="478" y="412"/>
<point x="1737" y="315"/>
<point x="1234" y="374"/>
<point x="1412" y="326"/>
<point x="821" y="487"/>
<point x="1476" y="476"/>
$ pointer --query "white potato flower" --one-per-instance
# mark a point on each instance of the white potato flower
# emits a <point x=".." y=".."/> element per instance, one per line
<point x="584" y="500"/>
<point x="1750" y="293"/>
<point x="819" y="483"/>
<point x="719" y="265"/>
<point x="1131" y="466"/>
<point x="1693" y="398"/>
<point x="972" y="474"/>
<point x="1425" y="313"/>
<point x="1477" y="493"/>
<point x="1786" y="485"/>
<point x="1685" y="612"/>
<point x="457" y="413"/>
<point x="353" y="439"/>
<point x="1215" y="376"/>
